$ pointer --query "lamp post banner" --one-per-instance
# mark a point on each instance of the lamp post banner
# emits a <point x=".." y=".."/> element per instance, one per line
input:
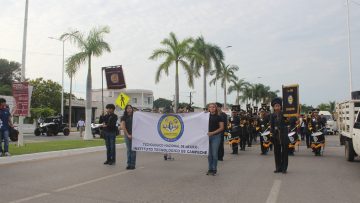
<point x="183" y="133"/>
<point x="21" y="93"/>
<point x="115" y="78"/>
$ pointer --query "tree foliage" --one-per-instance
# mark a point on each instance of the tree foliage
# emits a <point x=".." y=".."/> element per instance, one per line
<point x="9" y="72"/>
<point x="46" y="93"/>
<point x="162" y="103"/>
<point x="42" y="112"/>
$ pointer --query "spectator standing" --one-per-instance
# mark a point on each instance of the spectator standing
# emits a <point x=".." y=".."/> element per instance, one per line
<point x="5" y="125"/>
<point x="126" y="126"/>
<point x="110" y="129"/>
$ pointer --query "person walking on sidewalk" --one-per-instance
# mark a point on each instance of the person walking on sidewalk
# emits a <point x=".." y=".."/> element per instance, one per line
<point x="109" y="127"/>
<point x="5" y="125"/>
<point x="81" y="126"/>
<point x="126" y="126"/>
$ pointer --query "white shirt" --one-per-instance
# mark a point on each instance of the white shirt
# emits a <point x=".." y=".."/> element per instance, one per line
<point x="81" y="123"/>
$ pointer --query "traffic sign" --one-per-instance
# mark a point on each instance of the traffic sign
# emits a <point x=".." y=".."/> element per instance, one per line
<point x="122" y="100"/>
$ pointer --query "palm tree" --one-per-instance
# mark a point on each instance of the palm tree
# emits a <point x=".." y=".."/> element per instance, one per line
<point x="247" y="94"/>
<point x="270" y="96"/>
<point x="208" y="56"/>
<point x="224" y="74"/>
<point x="238" y="86"/>
<point x="92" y="45"/>
<point x="175" y="52"/>
<point x="71" y="71"/>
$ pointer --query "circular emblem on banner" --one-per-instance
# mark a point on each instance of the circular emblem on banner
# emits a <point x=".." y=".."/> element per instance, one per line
<point x="290" y="99"/>
<point x="114" y="78"/>
<point x="170" y="127"/>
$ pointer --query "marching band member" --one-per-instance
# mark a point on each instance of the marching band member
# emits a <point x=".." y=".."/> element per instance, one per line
<point x="279" y="132"/>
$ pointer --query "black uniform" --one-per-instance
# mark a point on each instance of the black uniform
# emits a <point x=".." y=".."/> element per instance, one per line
<point x="281" y="141"/>
<point x="235" y="132"/>
<point x="307" y="131"/>
<point x="263" y="124"/>
<point x="292" y="125"/>
<point x="317" y="124"/>
<point x="244" y="133"/>
<point x="221" y="147"/>
<point x="252" y="131"/>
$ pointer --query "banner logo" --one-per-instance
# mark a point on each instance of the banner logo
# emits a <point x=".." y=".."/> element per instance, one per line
<point x="290" y="99"/>
<point x="170" y="127"/>
<point x="114" y="78"/>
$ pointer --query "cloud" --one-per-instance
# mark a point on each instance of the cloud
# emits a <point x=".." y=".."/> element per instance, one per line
<point x="284" y="42"/>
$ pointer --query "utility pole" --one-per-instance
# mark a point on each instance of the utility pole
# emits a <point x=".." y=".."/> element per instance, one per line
<point x="349" y="47"/>
<point x="23" y="61"/>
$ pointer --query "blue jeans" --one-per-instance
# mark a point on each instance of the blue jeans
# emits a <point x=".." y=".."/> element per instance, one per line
<point x="131" y="155"/>
<point x="110" y="145"/>
<point x="214" y="143"/>
<point x="4" y="135"/>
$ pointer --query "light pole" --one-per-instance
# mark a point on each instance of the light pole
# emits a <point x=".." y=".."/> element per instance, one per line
<point x="23" y="61"/>
<point x="63" y="70"/>
<point x="349" y="46"/>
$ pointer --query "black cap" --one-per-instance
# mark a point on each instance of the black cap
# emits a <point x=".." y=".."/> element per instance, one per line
<point x="277" y="100"/>
<point x="235" y="108"/>
<point x="110" y="106"/>
<point x="219" y="105"/>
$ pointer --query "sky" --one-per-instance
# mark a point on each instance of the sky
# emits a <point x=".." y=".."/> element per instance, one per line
<point x="277" y="42"/>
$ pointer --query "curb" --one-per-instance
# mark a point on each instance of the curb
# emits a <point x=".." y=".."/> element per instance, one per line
<point x="52" y="154"/>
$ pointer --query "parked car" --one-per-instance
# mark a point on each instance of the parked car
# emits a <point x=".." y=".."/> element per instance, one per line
<point x="331" y="126"/>
<point x="52" y="126"/>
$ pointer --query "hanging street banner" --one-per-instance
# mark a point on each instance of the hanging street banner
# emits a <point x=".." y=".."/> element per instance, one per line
<point x="115" y="77"/>
<point x="22" y="95"/>
<point x="291" y="100"/>
<point x="184" y="133"/>
<point x="122" y="100"/>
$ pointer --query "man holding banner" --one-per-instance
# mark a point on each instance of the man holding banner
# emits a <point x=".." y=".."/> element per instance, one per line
<point x="184" y="133"/>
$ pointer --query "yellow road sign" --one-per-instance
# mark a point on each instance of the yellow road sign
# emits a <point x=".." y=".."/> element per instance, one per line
<point x="122" y="100"/>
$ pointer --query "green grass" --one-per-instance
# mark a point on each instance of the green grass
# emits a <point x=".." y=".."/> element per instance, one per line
<point x="58" y="145"/>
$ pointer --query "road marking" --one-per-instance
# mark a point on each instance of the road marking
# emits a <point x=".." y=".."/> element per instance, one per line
<point x="30" y="198"/>
<point x="72" y="186"/>
<point x="90" y="181"/>
<point x="274" y="192"/>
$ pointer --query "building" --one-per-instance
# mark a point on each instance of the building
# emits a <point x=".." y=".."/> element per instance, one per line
<point x="139" y="98"/>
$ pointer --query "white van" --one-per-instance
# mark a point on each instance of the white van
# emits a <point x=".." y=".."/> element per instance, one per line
<point x="331" y="126"/>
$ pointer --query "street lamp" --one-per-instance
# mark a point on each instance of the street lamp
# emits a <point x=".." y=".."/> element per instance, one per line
<point x="63" y="69"/>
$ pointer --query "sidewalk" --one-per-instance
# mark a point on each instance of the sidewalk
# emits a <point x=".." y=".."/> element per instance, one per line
<point x="53" y="154"/>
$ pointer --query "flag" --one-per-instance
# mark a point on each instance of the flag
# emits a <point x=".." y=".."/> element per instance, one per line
<point x="115" y="78"/>
<point x="291" y="100"/>
<point x="171" y="133"/>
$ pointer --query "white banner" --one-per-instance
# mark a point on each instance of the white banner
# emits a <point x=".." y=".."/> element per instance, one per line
<point x="184" y="133"/>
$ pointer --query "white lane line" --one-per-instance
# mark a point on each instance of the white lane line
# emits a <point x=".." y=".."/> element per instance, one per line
<point x="274" y="192"/>
<point x="30" y="198"/>
<point x="72" y="186"/>
<point x="92" y="181"/>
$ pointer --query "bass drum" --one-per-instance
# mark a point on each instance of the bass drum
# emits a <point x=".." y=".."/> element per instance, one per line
<point x="293" y="137"/>
<point x="266" y="136"/>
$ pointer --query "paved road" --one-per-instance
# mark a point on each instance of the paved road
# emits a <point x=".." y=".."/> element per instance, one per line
<point x="28" y="138"/>
<point x="247" y="177"/>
